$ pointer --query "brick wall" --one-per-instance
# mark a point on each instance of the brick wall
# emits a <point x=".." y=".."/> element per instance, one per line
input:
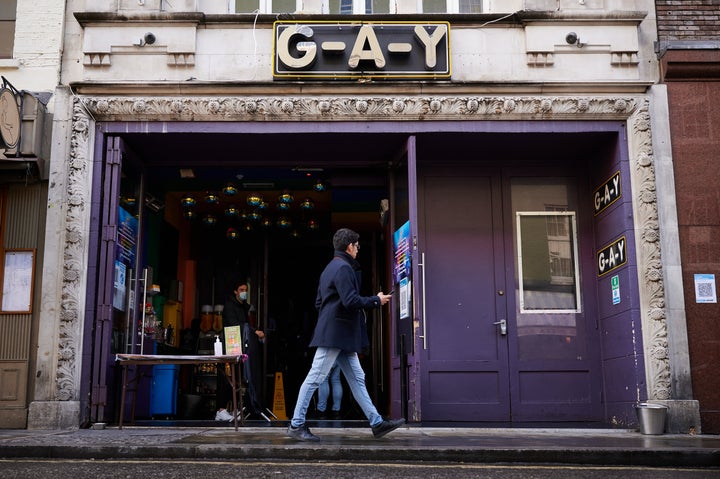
<point x="688" y="19"/>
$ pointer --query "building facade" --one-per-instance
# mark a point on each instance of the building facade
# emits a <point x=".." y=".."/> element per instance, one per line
<point x="30" y="50"/>
<point x="506" y="164"/>
<point x="689" y="51"/>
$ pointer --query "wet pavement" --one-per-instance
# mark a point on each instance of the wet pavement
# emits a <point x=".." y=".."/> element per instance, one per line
<point x="350" y="442"/>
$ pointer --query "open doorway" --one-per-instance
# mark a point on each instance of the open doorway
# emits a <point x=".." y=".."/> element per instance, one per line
<point x="211" y="222"/>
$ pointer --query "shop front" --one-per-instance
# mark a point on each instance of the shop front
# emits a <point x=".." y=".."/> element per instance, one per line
<point x="518" y="226"/>
<point x="517" y="246"/>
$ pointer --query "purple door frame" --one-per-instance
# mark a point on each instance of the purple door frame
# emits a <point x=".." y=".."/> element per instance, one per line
<point x="622" y="367"/>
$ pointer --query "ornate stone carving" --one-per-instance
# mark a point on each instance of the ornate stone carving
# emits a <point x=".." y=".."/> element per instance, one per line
<point x="652" y="290"/>
<point x="634" y="110"/>
<point x="110" y="108"/>
<point x="75" y="260"/>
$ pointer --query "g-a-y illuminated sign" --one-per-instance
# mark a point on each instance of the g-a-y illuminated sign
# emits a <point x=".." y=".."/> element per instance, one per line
<point x="346" y="50"/>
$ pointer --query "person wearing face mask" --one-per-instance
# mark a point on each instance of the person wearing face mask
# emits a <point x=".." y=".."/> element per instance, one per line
<point x="238" y="311"/>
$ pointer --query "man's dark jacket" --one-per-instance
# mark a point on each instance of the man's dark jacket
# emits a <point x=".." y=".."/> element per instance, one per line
<point x="341" y="319"/>
<point x="236" y="313"/>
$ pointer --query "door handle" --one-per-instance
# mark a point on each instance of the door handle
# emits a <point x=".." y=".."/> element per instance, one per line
<point x="421" y="264"/>
<point x="503" y="326"/>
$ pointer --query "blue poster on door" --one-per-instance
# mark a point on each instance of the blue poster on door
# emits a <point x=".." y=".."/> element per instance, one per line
<point x="125" y="253"/>
<point x="403" y="254"/>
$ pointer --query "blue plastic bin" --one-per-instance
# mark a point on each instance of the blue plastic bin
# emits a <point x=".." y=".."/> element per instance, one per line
<point x="164" y="390"/>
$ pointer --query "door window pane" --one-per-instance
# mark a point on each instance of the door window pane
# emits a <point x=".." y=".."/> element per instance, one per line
<point x="547" y="262"/>
<point x="550" y="324"/>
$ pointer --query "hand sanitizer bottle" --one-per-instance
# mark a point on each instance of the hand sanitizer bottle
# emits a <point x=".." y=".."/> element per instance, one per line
<point x="218" y="346"/>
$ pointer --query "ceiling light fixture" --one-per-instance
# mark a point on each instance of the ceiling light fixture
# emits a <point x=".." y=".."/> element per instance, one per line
<point x="188" y="201"/>
<point x="319" y="186"/>
<point x="209" y="220"/>
<point x="307" y="204"/>
<point x="231" y="211"/>
<point x="254" y="200"/>
<point x="211" y="198"/>
<point x="187" y="173"/>
<point x="229" y="190"/>
<point x="286" y="197"/>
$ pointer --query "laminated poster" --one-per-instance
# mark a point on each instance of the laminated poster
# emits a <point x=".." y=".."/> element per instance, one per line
<point x="233" y="341"/>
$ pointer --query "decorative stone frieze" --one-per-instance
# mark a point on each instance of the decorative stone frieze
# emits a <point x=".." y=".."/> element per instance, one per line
<point x="110" y="108"/>
<point x="632" y="109"/>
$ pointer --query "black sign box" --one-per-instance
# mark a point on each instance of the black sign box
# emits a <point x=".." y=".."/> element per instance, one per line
<point x="355" y="50"/>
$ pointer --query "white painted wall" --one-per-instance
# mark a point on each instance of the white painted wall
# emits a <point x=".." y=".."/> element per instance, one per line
<point x="35" y="65"/>
<point x="611" y="50"/>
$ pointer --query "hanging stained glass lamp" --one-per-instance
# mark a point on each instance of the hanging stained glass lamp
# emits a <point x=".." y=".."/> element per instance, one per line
<point x="286" y="197"/>
<point x="211" y="198"/>
<point x="229" y="190"/>
<point x="254" y="200"/>
<point x="319" y="186"/>
<point x="307" y="204"/>
<point x="188" y="201"/>
<point x="231" y="211"/>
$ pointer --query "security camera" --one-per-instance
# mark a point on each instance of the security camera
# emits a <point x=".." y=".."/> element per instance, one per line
<point x="149" y="38"/>
<point x="571" y="38"/>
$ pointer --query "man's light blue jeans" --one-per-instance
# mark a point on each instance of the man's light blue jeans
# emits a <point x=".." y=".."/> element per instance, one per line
<point x="349" y="364"/>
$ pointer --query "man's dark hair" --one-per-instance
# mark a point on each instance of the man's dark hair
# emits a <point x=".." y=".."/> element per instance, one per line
<point x="344" y="237"/>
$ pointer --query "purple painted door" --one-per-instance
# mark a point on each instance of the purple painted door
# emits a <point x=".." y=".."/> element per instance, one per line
<point x="506" y="334"/>
<point x="464" y="359"/>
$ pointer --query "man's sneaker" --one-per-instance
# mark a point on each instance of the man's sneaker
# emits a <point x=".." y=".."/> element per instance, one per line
<point x="223" y="415"/>
<point x="387" y="426"/>
<point x="301" y="433"/>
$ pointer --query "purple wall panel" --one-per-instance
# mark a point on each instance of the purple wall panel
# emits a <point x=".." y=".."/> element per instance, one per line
<point x="623" y="379"/>
<point x="621" y="335"/>
<point x="620" y="324"/>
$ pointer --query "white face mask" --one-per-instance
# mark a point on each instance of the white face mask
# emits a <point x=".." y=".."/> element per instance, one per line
<point x="242" y="295"/>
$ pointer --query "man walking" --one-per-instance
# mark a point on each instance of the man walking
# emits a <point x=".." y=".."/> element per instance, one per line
<point x="339" y="335"/>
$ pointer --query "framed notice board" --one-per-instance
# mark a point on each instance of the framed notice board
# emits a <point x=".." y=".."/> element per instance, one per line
<point x="18" y="279"/>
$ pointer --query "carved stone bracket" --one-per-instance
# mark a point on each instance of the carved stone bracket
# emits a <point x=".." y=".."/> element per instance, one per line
<point x="634" y="110"/>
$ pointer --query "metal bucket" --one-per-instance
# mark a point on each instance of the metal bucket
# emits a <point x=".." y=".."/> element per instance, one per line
<point x="651" y="418"/>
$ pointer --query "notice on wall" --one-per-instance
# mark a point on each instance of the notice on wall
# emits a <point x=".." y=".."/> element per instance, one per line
<point x="18" y="281"/>
<point x="615" y="285"/>
<point x="705" y="291"/>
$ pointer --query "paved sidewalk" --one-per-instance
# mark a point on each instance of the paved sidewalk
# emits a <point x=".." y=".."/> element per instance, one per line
<point x="409" y="443"/>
